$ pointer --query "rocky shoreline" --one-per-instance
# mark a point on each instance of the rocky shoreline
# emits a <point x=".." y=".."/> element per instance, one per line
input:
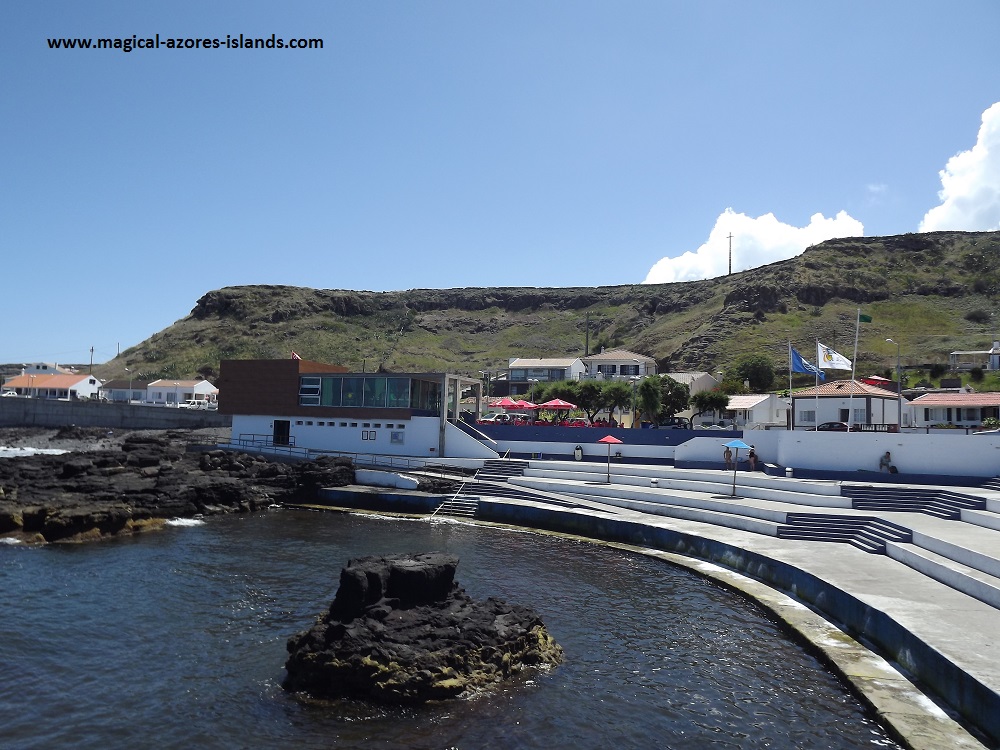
<point x="118" y="483"/>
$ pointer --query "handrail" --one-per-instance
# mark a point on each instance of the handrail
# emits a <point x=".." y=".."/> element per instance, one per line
<point x="474" y="478"/>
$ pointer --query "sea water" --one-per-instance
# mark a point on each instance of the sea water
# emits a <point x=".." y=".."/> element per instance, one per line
<point x="177" y="640"/>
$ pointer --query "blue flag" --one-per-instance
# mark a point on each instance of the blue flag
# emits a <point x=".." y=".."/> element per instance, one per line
<point x="801" y="365"/>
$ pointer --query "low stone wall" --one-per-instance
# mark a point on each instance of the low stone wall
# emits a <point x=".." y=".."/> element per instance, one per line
<point x="33" y="412"/>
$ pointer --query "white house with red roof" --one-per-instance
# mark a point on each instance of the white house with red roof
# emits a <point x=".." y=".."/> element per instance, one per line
<point x="835" y="401"/>
<point x="53" y="385"/>
<point x="959" y="409"/>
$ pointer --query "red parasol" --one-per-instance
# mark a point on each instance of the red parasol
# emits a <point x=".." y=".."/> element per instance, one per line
<point x="557" y="404"/>
<point x="610" y="440"/>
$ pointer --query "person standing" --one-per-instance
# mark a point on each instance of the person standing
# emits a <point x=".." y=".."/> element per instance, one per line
<point x="752" y="458"/>
<point x="727" y="454"/>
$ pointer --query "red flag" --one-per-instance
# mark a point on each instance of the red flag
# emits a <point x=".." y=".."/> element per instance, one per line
<point x="295" y="356"/>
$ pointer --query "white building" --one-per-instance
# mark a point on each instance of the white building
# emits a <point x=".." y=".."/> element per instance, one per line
<point x="835" y="400"/>
<point x="758" y="411"/>
<point x="53" y="386"/>
<point x="619" y="364"/>
<point x="959" y="409"/>
<point x="174" y="392"/>
<point x="523" y="373"/>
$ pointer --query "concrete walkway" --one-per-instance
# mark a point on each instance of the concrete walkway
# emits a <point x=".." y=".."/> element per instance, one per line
<point x="934" y="633"/>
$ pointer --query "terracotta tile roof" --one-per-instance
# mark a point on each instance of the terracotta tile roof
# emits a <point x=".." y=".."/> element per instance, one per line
<point x="746" y="401"/>
<point x="845" y="388"/>
<point x="46" y="381"/>
<point x="958" y="399"/>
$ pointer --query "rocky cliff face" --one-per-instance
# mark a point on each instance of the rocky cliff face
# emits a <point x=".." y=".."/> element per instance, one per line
<point x="691" y="325"/>
<point x="401" y="631"/>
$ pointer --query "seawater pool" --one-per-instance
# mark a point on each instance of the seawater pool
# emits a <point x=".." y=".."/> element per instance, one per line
<point x="177" y="639"/>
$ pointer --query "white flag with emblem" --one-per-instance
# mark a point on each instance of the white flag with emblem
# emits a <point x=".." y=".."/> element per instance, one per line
<point x="828" y="359"/>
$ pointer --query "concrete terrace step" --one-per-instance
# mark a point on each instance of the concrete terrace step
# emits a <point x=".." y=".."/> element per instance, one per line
<point x="932" y="501"/>
<point x="724" y="518"/>
<point x="968" y="580"/>
<point x="718" y="485"/>
<point x="865" y="532"/>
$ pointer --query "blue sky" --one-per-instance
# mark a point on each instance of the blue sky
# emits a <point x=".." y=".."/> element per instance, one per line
<point x="458" y="144"/>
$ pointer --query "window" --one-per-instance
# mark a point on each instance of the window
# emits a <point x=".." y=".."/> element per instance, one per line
<point x="331" y="391"/>
<point x="807" y="415"/>
<point x="374" y="392"/>
<point x="309" y="391"/>
<point x="321" y="424"/>
<point x="309" y="423"/>
<point x="397" y="392"/>
<point x="299" y="422"/>
<point x="396" y="438"/>
<point x="352" y="391"/>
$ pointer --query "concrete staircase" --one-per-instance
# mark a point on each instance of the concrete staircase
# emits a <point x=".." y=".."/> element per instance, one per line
<point x="489" y="481"/>
<point x="934" y="502"/>
<point x="950" y="536"/>
<point x="867" y="533"/>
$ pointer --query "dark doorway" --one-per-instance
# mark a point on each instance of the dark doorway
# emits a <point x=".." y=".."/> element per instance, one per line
<point x="282" y="430"/>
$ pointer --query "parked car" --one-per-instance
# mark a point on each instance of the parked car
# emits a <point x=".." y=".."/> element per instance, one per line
<point x="9" y="393"/>
<point x="675" y="423"/>
<point x="578" y="422"/>
<point x="832" y="427"/>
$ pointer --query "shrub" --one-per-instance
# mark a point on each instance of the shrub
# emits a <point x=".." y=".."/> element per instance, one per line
<point x="976" y="375"/>
<point x="978" y="316"/>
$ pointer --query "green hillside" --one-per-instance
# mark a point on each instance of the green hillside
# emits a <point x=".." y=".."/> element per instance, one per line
<point x="934" y="293"/>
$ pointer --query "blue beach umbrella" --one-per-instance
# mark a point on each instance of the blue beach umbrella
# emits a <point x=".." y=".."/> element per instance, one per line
<point x="736" y="445"/>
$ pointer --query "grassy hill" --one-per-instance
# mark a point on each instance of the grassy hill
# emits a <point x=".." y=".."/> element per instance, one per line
<point x="934" y="293"/>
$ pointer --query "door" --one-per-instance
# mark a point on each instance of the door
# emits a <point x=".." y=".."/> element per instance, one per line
<point x="282" y="429"/>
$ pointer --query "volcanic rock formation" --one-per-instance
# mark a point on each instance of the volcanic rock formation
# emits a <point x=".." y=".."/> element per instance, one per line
<point x="402" y="631"/>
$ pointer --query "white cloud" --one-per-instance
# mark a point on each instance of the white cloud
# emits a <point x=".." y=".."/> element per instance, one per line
<point x="970" y="184"/>
<point x="756" y="242"/>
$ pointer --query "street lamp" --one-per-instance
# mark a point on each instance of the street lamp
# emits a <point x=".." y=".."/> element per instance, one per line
<point x="129" y="384"/>
<point x="531" y="391"/>
<point x="176" y="401"/>
<point x="899" y="388"/>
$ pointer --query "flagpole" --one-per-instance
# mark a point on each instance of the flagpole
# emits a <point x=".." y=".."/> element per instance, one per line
<point x="818" y="365"/>
<point x="854" y="367"/>
<point x="791" y="420"/>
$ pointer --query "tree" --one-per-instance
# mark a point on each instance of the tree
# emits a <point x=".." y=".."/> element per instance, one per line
<point x="674" y="396"/>
<point x="649" y="398"/>
<point x="618" y="395"/>
<point x="757" y="368"/>
<point x="714" y="400"/>
<point x="591" y="398"/>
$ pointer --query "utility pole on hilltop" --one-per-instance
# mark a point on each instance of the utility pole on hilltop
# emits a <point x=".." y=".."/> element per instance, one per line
<point x="730" y="254"/>
<point x="91" y="360"/>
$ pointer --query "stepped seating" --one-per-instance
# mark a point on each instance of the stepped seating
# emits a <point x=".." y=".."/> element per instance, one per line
<point x="960" y="553"/>
<point x="491" y="481"/>
<point x="993" y="484"/>
<point x="867" y="533"/>
<point x="933" y="502"/>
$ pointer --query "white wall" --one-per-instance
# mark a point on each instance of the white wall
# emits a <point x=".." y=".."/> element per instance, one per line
<point x="418" y="436"/>
<point x="971" y="455"/>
